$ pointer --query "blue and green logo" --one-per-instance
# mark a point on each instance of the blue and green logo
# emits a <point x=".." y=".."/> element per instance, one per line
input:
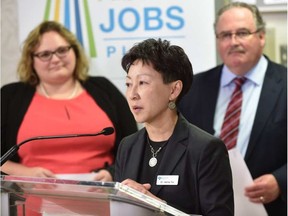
<point x="67" y="19"/>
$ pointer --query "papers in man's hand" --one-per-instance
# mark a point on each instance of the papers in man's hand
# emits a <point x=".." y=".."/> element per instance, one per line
<point x="241" y="179"/>
<point x="78" y="176"/>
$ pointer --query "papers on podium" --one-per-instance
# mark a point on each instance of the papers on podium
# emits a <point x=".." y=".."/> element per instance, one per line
<point x="162" y="206"/>
<point x="77" y="176"/>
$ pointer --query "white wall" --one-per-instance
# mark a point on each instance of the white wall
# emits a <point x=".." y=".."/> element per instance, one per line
<point x="276" y="24"/>
<point x="10" y="51"/>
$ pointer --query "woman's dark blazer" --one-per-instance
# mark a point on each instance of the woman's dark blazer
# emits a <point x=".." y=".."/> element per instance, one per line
<point x="200" y="160"/>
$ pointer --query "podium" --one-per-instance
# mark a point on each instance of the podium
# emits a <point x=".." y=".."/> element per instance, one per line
<point x="55" y="197"/>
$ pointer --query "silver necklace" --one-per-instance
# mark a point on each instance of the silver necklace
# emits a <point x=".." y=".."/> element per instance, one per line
<point x="153" y="160"/>
<point x="47" y="95"/>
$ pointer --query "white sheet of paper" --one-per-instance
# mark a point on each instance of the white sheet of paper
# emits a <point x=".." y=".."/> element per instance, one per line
<point x="77" y="176"/>
<point x="241" y="179"/>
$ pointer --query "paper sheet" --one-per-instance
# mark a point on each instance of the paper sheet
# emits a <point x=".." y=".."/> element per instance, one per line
<point x="241" y="179"/>
<point x="78" y="176"/>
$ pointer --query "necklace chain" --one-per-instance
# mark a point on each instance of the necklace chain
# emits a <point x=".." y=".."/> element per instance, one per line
<point x="72" y="95"/>
<point x="154" y="154"/>
<point x="153" y="160"/>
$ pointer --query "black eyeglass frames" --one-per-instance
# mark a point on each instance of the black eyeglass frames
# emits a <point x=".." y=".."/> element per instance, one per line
<point x="46" y="55"/>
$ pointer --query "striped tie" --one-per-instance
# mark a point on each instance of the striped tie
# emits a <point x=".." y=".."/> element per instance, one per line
<point x="230" y="127"/>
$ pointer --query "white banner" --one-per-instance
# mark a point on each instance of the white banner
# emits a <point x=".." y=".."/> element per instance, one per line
<point x="108" y="28"/>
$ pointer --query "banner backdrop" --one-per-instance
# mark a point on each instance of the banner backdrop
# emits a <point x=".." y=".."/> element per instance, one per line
<point x="108" y="28"/>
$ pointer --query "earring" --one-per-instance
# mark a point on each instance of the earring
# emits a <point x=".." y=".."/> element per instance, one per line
<point x="171" y="105"/>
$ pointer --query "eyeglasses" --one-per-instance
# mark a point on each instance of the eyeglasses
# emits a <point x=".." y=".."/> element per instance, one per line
<point x="60" y="52"/>
<point x="241" y="34"/>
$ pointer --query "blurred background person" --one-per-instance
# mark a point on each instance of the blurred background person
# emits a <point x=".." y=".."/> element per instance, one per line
<point x="55" y="96"/>
<point x="261" y="123"/>
<point x="194" y="162"/>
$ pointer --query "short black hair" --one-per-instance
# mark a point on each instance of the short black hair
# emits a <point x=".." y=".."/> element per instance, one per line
<point x="169" y="60"/>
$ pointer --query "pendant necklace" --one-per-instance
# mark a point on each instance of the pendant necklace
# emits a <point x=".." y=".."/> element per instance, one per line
<point x="153" y="160"/>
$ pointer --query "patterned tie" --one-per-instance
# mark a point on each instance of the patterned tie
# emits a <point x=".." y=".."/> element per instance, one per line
<point x="230" y="127"/>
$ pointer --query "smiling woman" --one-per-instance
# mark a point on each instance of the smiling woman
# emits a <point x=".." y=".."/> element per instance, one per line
<point x="55" y="96"/>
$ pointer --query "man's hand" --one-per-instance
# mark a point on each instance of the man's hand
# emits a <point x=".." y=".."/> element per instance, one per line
<point x="265" y="189"/>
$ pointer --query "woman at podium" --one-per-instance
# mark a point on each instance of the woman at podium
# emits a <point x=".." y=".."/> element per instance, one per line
<point x="169" y="158"/>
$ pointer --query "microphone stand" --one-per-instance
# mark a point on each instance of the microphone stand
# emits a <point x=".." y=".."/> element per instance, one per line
<point x="12" y="151"/>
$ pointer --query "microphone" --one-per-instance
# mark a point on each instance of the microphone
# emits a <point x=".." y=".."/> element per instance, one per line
<point x="12" y="151"/>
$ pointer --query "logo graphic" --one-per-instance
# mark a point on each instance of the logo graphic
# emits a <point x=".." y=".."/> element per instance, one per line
<point x="67" y="19"/>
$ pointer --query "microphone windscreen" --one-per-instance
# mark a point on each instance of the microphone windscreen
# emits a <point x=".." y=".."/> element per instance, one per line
<point x="108" y="131"/>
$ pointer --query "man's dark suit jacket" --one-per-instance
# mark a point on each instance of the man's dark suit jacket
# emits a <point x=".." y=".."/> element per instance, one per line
<point x="200" y="160"/>
<point x="267" y="148"/>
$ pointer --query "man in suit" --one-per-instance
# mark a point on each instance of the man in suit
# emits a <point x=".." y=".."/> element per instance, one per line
<point x="262" y="132"/>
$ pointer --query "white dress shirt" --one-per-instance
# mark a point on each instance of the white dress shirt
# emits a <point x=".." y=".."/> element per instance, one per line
<point x="251" y="93"/>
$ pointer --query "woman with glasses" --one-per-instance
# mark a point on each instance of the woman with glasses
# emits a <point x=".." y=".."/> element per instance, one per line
<point x="55" y="96"/>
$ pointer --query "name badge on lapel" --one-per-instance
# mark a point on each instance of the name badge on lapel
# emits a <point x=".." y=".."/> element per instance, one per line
<point x="167" y="180"/>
